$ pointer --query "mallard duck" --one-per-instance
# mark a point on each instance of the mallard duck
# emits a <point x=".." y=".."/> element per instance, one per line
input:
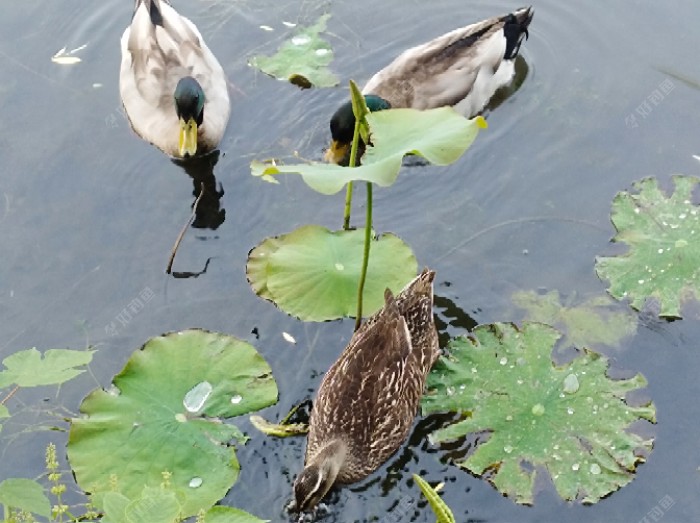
<point x="462" y="68"/>
<point x="368" y="399"/>
<point x="174" y="90"/>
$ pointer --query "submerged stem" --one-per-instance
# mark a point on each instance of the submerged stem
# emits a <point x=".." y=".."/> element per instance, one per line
<point x="348" y="206"/>
<point x="365" y="257"/>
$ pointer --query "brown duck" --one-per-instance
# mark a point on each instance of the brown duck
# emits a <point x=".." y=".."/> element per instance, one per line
<point x="368" y="399"/>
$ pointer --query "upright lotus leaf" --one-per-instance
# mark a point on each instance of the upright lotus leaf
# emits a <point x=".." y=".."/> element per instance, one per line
<point x="25" y="494"/>
<point x="163" y="415"/>
<point x="571" y="420"/>
<point x="27" y="368"/>
<point x="313" y="273"/>
<point x="596" y="321"/>
<point x="360" y="110"/>
<point x="303" y="60"/>
<point x="439" y="135"/>
<point x="663" y="260"/>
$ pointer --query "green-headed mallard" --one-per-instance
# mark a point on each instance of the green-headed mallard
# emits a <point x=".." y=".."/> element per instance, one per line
<point x="173" y="89"/>
<point x="462" y="68"/>
<point x="369" y="397"/>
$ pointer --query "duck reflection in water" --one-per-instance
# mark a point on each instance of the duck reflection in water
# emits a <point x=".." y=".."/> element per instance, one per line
<point x="209" y="213"/>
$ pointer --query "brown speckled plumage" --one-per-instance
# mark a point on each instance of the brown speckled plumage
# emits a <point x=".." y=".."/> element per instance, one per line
<point x="369" y="397"/>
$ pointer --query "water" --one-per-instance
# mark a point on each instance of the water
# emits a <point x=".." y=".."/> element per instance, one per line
<point x="89" y="213"/>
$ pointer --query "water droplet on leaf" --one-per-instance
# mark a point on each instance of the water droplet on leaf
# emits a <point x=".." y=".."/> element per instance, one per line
<point x="571" y="384"/>
<point x="196" y="397"/>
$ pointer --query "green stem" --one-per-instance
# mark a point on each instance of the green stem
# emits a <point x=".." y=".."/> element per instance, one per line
<point x="365" y="258"/>
<point x="348" y="206"/>
<point x="353" y="163"/>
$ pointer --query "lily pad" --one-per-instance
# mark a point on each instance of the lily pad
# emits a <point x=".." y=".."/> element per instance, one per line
<point x="25" y="494"/>
<point x="663" y="260"/>
<point x="570" y="420"/>
<point x="303" y="60"/>
<point x="313" y="273"/>
<point x="440" y="135"/>
<point x="230" y="515"/>
<point x="155" y="505"/>
<point x="596" y="321"/>
<point x="27" y="368"/>
<point x="161" y="505"/>
<point x="163" y="415"/>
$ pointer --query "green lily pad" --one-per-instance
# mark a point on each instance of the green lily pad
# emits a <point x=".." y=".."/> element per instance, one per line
<point x="27" y="368"/>
<point x="303" y="60"/>
<point x="155" y="505"/>
<point x="313" y="273"/>
<point x="25" y="494"/>
<point x="162" y="505"/>
<point x="663" y="261"/>
<point x="597" y="321"/>
<point x="570" y="420"/>
<point x="440" y="135"/>
<point x="230" y="515"/>
<point x="163" y="415"/>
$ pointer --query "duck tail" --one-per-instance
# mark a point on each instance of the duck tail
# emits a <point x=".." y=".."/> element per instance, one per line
<point x="421" y="284"/>
<point x="515" y="30"/>
<point x="153" y="7"/>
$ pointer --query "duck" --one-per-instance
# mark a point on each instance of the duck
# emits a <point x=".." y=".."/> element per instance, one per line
<point x="174" y="90"/>
<point x="462" y="68"/>
<point x="368" y="399"/>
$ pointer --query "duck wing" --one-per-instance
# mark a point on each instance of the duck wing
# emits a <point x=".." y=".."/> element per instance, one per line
<point x="164" y="47"/>
<point x="356" y="394"/>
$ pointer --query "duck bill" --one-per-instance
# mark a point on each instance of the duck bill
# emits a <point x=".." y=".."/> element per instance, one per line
<point x="188" y="138"/>
<point x="336" y="152"/>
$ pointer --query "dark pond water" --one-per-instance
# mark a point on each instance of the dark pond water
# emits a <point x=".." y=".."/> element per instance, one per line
<point x="89" y="213"/>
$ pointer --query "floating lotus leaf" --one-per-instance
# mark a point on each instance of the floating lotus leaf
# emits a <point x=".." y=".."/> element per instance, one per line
<point x="313" y="273"/>
<point x="439" y="135"/>
<point x="570" y="420"/>
<point x="24" y="494"/>
<point x="230" y="515"/>
<point x="162" y="505"/>
<point x="663" y="260"/>
<point x="163" y="415"/>
<point x="27" y="368"/>
<point x="303" y="60"/>
<point x="597" y="321"/>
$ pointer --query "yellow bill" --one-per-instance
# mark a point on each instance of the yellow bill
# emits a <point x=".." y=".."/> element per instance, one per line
<point x="188" y="137"/>
<point x="336" y="152"/>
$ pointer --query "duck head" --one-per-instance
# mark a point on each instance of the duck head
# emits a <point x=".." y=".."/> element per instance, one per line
<point x="318" y="476"/>
<point x="189" y="104"/>
<point x="343" y="129"/>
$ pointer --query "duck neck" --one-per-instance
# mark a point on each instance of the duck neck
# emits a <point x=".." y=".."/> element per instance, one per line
<point x="330" y="460"/>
